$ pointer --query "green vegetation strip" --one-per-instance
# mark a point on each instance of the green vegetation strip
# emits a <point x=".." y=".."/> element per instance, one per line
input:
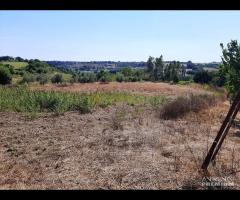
<point x="16" y="65"/>
<point x="22" y="99"/>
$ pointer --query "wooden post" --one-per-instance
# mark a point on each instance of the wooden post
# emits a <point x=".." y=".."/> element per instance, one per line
<point x="222" y="132"/>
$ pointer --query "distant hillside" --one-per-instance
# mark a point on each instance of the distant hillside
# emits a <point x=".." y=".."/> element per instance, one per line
<point x="15" y="64"/>
<point x="23" y="70"/>
<point x="96" y="66"/>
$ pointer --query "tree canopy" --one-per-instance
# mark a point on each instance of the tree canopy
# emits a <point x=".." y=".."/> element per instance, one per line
<point x="230" y="68"/>
<point x="5" y="75"/>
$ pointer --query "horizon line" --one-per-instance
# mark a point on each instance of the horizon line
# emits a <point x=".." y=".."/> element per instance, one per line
<point x="109" y="60"/>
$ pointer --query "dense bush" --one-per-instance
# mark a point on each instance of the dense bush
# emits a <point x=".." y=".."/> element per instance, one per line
<point x="83" y="78"/>
<point x="72" y="81"/>
<point x="10" y="67"/>
<point x="175" y="79"/>
<point x="186" y="78"/>
<point x="129" y="75"/>
<point x="92" y="77"/>
<point x="103" y="76"/>
<point x="183" y="105"/>
<point x="202" y="77"/>
<point x="42" y="78"/>
<point x="127" y="71"/>
<point x="28" y="78"/>
<point x="57" y="78"/>
<point x="104" y="79"/>
<point x="134" y="79"/>
<point x="36" y="66"/>
<point x="139" y="74"/>
<point x="217" y="79"/>
<point x="120" y="77"/>
<point x="87" y="78"/>
<point x="74" y="78"/>
<point x="5" y="75"/>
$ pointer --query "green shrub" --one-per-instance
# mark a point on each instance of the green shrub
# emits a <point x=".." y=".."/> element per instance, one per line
<point x="218" y="79"/>
<point x="127" y="71"/>
<point x="104" y="79"/>
<point x="83" y="106"/>
<point x="74" y="78"/>
<point x="186" y="78"/>
<point x="5" y="75"/>
<point x="202" y="77"/>
<point x="103" y="76"/>
<point x="83" y="78"/>
<point x="57" y="78"/>
<point x="92" y="77"/>
<point x="87" y="78"/>
<point x="28" y="78"/>
<point x="37" y="66"/>
<point x="175" y="79"/>
<point x="119" y="77"/>
<point x="184" y="82"/>
<point x="139" y="74"/>
<point x="21" y="99"/>
<point x="42" y="78"/>
<point x="134" y="79"/>
<point x="47" y="102"/>
<point x="10" y="67"/>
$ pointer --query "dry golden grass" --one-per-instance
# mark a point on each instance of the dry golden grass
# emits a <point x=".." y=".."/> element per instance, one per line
<point x="118" y="147"/>
<point x="147" y="88"/>
<point x="185" y="104"/>
<point x="87" y="152"/>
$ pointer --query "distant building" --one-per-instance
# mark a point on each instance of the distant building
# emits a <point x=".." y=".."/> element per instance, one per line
<point x="210" y="69"/>
<point x="189" y="70"/>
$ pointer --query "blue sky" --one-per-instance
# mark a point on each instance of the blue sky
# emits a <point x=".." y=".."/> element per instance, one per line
<point x="117" y="35"/>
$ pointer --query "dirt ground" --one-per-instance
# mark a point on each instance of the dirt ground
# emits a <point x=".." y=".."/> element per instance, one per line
<point x="100" y="151"/>
<point x="118" y="147"/>
<point x="146" y="88"/>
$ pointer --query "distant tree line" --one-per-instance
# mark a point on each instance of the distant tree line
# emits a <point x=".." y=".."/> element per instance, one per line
<point x="158" y="71"/>
<point x="126" y="74"/>
<point x="10" y="58"/>
<point x="40" y="71"/>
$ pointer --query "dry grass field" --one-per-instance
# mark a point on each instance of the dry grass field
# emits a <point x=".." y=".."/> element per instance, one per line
<point x="117" y="147"/>
<point x="146" y="88"/>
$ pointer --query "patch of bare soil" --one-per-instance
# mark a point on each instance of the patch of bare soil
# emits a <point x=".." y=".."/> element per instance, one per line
<point x="146" y="88"/>
<point x="107" y="150"/>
